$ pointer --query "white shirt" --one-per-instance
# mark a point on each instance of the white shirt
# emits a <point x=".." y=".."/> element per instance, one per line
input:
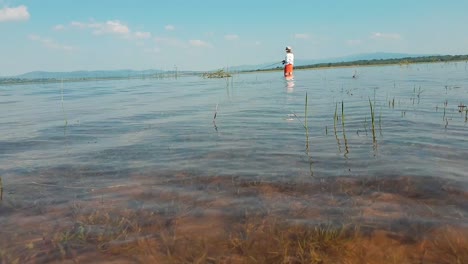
<point x="289" y="58"/>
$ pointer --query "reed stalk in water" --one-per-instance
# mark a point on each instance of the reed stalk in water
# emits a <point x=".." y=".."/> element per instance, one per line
<point x="335" y="120"/>
<point x="306" y="128"/>
<point x="1" y="189"/>
<point x="380" y="121"/>
<point x="305" y="124"/>
<point x="214" y="118"/>
<point x="344" y="132"/>
<point x="372" y="121"/>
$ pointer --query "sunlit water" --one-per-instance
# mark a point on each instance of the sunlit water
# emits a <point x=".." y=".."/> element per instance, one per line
<point x="134" y="125"/>
<point x="61" y="142"/>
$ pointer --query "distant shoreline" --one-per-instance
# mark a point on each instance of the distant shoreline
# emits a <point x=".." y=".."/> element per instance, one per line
<point x="378" y="62"/>
<point x="19" y="81"/>
<point x="358" y="63"/>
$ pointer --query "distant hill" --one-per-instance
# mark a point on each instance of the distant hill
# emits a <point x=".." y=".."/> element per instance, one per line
<point x="87" y="74"/>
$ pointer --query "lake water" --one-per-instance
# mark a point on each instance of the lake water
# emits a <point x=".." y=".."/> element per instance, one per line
<point x="139" y="148"/>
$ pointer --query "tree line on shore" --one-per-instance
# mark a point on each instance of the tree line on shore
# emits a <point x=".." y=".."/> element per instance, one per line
<point x="400" y="61"/>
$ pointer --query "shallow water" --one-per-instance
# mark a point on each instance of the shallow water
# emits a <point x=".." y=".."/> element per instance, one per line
<point x="154" y="144"/>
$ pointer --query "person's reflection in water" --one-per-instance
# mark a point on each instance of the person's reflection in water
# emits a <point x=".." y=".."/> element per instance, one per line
<point x="290" y="86"/>
<point x="290" y="99"/>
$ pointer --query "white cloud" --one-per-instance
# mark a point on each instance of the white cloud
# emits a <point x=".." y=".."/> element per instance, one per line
<point x="51" y="44"/>
<point x="142" y="35"/>
<point x="19" y="13"/>
<point x="78" y="24"/>
<point x="353" y="42"/>
<point x="59" y="27"/>
<point x="113" y="27"/>
<point x="379" y="35"/>
<point x="169" y="27"/>
<point x="199" y="43"/>
<point x="258" y="43"/>
<point x="231" y="37"/>
<point x="301" y="36"/>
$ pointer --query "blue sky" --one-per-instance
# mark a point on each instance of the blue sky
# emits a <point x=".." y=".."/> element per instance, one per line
<point x="67" y="35"/>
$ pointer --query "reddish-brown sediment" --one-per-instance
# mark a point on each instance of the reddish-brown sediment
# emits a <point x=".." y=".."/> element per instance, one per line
<point x="190" y="219"/>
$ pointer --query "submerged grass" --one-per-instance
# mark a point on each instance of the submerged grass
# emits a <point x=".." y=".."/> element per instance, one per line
<point x="275" y="242"/>
<point x="104" y="231"/>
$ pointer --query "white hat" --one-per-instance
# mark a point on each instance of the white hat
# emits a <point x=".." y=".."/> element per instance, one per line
<point x="288" y="47"/>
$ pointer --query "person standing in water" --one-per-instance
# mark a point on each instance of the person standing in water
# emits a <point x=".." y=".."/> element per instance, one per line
<point x="288" y="62"/>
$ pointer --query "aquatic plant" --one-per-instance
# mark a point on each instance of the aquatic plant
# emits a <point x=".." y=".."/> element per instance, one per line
<point x="305" y="123"/>
<point x="335" y="120"/>
<point x="289" y="244"/>
<point x="179" y="228"/>
<point x="217" y="74"/>
<point x="380" y="122"/>
<point x="372" y="121"/>
<point x="443" y="118"/>
<point x="391" y="103"/>
<point x="214" y="118"/>
<point x="462" y="108"/>
<point x="344" y="131"/>
<point x="1" y="189"/>
<point x="419" y="93"/>
<point x="306" y="128"/>
<point x="307" y="136"/>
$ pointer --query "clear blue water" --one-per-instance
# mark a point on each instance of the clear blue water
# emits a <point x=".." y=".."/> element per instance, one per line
<point x="167" y="124"/>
